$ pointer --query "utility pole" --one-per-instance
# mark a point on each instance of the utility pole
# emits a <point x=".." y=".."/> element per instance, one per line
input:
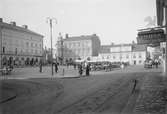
<point x="50" y="20"/>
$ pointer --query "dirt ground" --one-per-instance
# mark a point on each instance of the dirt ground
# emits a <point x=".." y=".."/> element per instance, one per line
<point x="109" y="93"/>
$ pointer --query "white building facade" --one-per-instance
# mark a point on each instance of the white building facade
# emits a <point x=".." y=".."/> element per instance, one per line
<point x="19" y="45"/>
<point x="132" y="54"/>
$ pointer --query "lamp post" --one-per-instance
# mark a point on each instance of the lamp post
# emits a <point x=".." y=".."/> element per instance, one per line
<point x="166" y="38"/>
<point x="50" y="20"/>
<point x="1" y="45"/>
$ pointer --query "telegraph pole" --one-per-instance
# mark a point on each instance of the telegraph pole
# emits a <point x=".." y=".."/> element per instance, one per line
<point x="50" y="20"/>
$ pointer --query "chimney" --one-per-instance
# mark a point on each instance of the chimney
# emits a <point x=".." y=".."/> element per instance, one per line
<point x="25" y="26"/>
<point x="13" y="23"/>
<point x="1" y="20"/>
<point x="94" y="34"/>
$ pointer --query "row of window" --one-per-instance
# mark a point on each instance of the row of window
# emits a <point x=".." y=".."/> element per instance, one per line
<point x="120" y="57"/>
<point x="77" y="44"/>
<point x="121" y="48"/>
<point x="16" y="51"/>
<point x="78" y="51"/>
<point x="151" y="36"/>
<point x="21" y="44"/>
<point x="33" y="44"/>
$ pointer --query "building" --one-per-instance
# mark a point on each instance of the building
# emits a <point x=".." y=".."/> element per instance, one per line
<point x="139" y="54"/>
<point x="131" y="53"/>
<point x="19" y="45"/>
<point x="78" y="47"/>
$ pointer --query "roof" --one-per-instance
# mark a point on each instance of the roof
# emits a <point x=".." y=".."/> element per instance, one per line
<point x="138" y="47"/>
<point x="83" y="37"/>
<point x="10" y="26"/>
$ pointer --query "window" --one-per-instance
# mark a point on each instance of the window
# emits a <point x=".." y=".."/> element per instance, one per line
<point x="140" y="55"/>
<point x="69" y="45"/>
<point x="114" y="57"/>
<point x="16" y="51"/>
<point x="3" y="49"/>
<point x="27" y="44"/>
<point x="134" y="56"/>
<point x="78" y="44"/>
<point x="31" y="44"/>
<point x="27" y="51"/>
<point x="127" y="56"/>
<point x="140" y="61"/>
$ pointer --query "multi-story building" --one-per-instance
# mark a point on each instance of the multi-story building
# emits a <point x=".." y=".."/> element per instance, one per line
<point x="19" y="45"/>
<point x="131" y="53"/>
<point x="78" y="47"/>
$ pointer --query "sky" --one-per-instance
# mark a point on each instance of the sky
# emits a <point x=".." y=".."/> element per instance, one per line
<point x="112" y="20"/>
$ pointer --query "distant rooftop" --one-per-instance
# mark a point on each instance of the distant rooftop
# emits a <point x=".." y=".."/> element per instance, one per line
<point x="83" y="37"/>
<point x="13" y="25"/>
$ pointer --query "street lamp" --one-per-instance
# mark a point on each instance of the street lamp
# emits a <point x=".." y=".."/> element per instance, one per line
<point x="50" y="20"/>
<point x="1" y="45"/>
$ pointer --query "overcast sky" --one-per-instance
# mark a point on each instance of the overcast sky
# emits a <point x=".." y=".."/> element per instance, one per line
<point x="112" y="20"/>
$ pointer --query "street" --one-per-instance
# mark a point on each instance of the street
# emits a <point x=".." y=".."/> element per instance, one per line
<point x="100" y="93"/>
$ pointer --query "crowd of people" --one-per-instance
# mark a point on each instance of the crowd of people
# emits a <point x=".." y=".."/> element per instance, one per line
<point x="151" y="63"/>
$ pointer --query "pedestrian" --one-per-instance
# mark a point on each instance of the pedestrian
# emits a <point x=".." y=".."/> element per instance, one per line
<point x="56" y="67"/>
<point x="156" y="63"/>
<point x="134" y="87"/>
<point x="80" y="69"/>
<point x="87" y="69"/>
<point x="74" y="64"/>
<point x="40" y="67"/>
<point x="122" y="65"/>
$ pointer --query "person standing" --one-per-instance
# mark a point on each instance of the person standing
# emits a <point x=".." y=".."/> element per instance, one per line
<point x="134" y="86"/>
<point x="40" y="66"/>
<point x="80" y="69"/>
<point x="56" y="67"/>
<point x="87" y="69"/>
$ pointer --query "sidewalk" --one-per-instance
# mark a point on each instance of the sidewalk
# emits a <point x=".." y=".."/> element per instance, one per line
<point x="152" y="96"/>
